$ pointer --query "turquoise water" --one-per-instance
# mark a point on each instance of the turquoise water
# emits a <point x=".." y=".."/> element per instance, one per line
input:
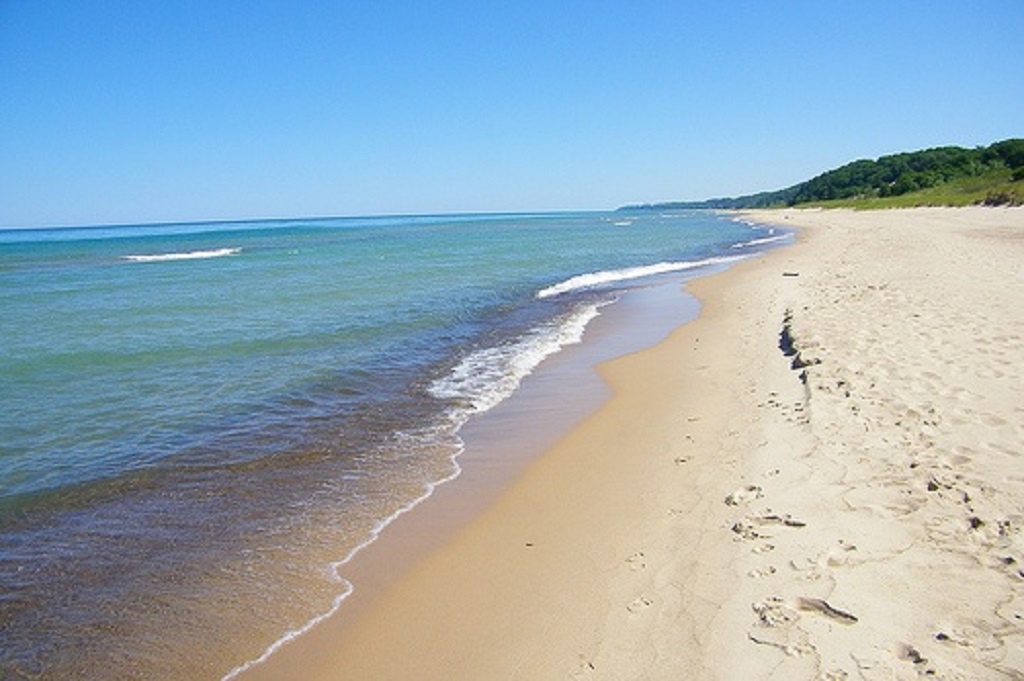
<point x="201" y="422"/>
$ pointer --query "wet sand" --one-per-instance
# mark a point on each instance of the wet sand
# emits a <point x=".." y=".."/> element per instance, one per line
<point x="821" y="477"/>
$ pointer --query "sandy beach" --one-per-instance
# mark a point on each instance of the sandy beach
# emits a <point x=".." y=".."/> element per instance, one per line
<point x="820" y="478"/>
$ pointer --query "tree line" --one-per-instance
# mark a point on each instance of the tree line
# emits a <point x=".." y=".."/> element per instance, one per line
<point x="891" y="175"/>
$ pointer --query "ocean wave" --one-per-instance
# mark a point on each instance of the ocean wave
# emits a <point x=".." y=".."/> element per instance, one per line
<point x="762" y="240"/>
<point x="595" y="279"/>
<point x="481" y="381"/>
<point x="486" y="377"/>
<point x="189" y="255"/>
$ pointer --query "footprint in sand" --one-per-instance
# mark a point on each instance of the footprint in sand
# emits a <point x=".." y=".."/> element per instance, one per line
<point x="970" y="637"/>
<point x="744" y="530"/>
<point x="585" y="669"/>
<point x="744" y="495"/>
<point x="773" y="612"/>
<point x="639" y="604"/>
<point x="637" y="561"/>
<point x="790" y="648"/>
<point x="748" y="527"/>
<point x="776" y="519"/>
<point x="905" y="651"/>
<point x="761" y="573"/>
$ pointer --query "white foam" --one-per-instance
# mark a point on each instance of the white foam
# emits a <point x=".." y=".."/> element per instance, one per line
<point x="763" y="240"/>
<point x="190" y="255"/>
<point x="488" y="376"/>
<point x="292" y="635"/>
<point x="335" y="573"/>
<point x="595" y="279"/>
<point x="481" y="381"/>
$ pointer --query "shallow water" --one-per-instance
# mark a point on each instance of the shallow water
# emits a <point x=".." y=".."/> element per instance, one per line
<point x="201" y="421"/>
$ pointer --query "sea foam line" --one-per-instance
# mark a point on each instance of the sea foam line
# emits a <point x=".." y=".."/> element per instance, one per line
<point x="190" y="255"/>
<point x="482" y="380"/>
<point x="487" y="377"/>
<point x="594" y="279"/>
<point x="762" y="240"/>
<point x="348" y="588"/>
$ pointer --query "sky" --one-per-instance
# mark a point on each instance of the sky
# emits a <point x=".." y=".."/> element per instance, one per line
<point x="120" y="111"/>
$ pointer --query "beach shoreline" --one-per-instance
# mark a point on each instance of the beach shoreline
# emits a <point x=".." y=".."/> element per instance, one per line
<point x="498" y="445"/>
<point x="808" y="481"/>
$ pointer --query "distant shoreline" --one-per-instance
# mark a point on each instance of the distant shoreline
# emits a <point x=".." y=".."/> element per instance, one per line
<point x="940" y="176"/>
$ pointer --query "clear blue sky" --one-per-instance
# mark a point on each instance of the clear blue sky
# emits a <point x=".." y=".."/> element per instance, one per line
<point x="124" y="111"/>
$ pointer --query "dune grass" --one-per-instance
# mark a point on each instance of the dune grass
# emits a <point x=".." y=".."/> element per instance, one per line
<point x="995" y="187"/>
